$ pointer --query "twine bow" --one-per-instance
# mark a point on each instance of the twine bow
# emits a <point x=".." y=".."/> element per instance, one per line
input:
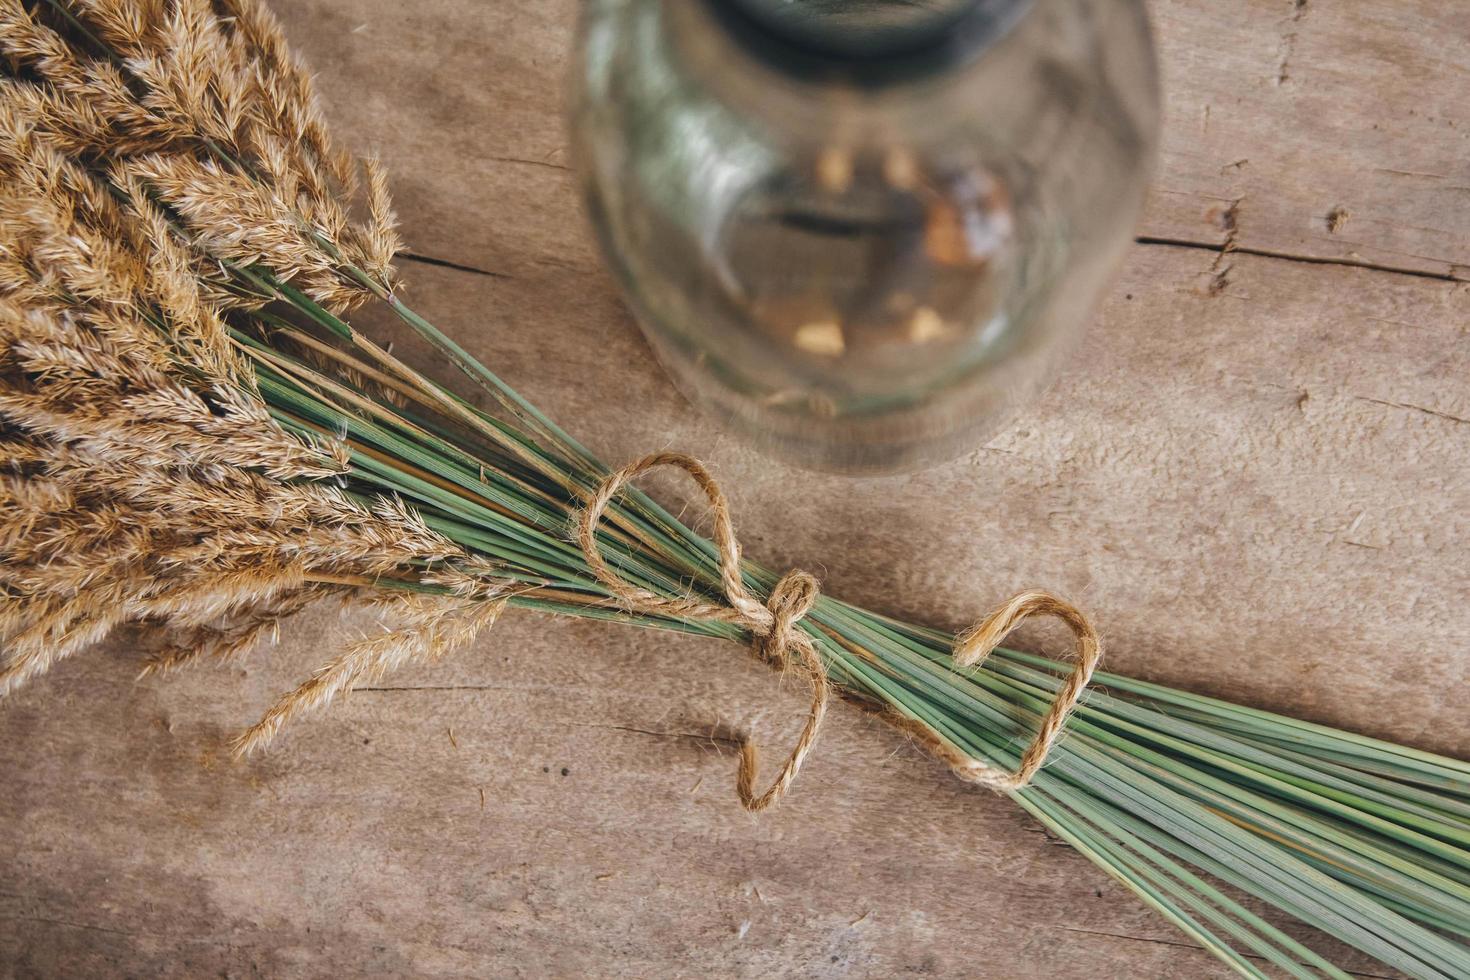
<point x="776" y="634"/>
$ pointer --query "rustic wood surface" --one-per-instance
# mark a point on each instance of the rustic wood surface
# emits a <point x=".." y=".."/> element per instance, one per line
<point x="1255" y="476"/>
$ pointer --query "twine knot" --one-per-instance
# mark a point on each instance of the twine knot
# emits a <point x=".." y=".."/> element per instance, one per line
<point x="791" y="599"/>
<point x="779" y="639"/>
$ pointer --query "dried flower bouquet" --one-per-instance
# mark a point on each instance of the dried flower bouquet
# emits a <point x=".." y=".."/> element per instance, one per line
<point x="193" y="434"/>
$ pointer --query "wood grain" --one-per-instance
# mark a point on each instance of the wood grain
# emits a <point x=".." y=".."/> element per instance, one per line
<point x="1254" y="474"/>
<point x="1337" y="130"/>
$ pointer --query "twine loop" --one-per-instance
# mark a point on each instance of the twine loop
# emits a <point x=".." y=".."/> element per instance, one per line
<point x="778" y="639"/>
<point x="979" y="641"/>
<point x="773" y="625"/>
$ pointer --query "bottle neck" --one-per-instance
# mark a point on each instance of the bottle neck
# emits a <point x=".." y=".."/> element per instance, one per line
<point x="864" y="43"/>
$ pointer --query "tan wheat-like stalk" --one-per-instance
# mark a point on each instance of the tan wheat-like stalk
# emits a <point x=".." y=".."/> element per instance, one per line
<point x="145" y="478"/>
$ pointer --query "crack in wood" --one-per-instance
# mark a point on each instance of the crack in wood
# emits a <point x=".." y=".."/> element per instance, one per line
<point x="702" y="737"/>
<point x="1184" y="945"/>
<point x="523" y="161"/>
<point x="1406" y="406"/>
<point x="1409" y="173"/>
<point x="161" y="937"/>
<point x="427" y="687"/>
<point x="1268" y="253"/>
<point x="448" y="264"/>
<point x="78" y="925"/>
<point x="1135" y="939"/>
<point x="1220" y="275"/>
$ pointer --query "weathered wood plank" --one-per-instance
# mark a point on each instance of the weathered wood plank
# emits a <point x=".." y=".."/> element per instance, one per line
<point x="1254" y="474"/>
<point x="1197" y="479"/>
<point x="1339" y="130"/>
<point x="1291" y="110"/>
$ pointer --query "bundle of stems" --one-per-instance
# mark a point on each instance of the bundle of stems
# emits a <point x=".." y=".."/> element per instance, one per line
<point x="193" y="434"/>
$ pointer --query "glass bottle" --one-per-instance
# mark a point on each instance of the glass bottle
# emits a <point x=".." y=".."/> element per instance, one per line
<point x="863" y="230"/>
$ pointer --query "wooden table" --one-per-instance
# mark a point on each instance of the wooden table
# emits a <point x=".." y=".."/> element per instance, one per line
<point x="1254" y="475"/>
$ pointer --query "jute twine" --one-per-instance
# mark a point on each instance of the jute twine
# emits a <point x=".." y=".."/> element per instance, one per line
<point x="778" y="639"/>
